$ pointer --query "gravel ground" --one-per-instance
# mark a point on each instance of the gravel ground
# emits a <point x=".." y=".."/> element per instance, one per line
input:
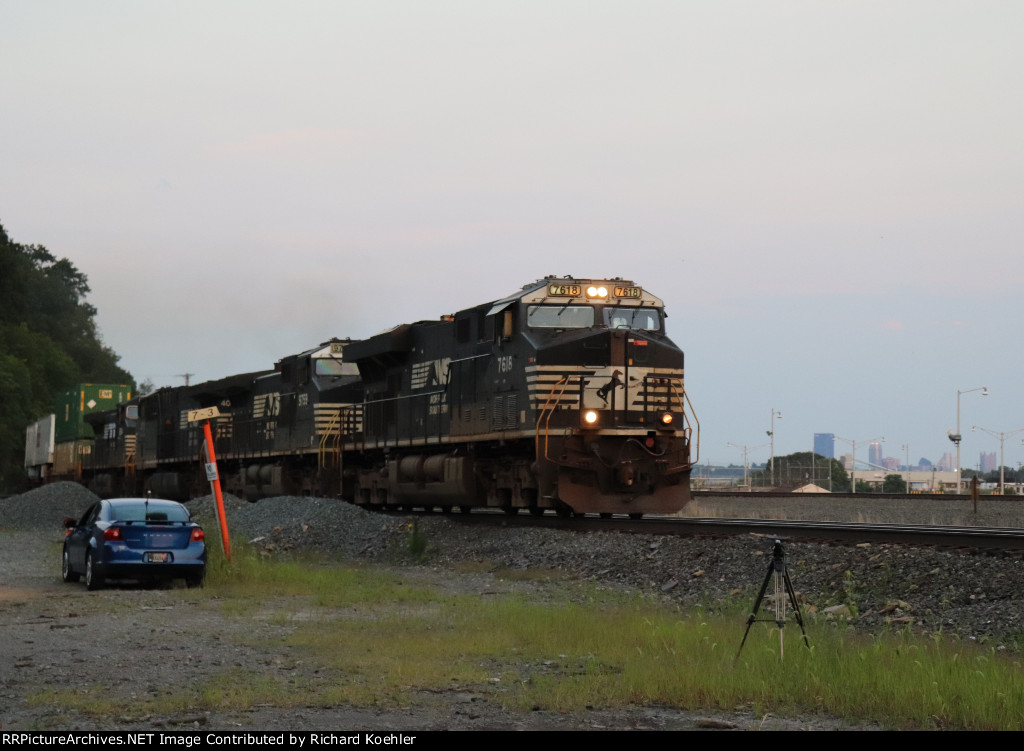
<point x="47" y="628"/>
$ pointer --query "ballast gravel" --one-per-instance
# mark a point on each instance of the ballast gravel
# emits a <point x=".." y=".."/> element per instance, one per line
<point x="866" y="588"/>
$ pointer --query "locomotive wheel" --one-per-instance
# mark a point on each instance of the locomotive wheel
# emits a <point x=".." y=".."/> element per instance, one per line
<point x="563" y="511"/>
<point x="510" y="510"/>
<point x="536" y="511"/>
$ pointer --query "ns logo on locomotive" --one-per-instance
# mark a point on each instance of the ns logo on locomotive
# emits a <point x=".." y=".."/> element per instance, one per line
<point x="566" y="395"/>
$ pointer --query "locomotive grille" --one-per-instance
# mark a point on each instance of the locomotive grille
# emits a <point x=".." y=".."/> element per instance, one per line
<point x="505" y="412"/>
<point x="656" y="393"/>
<point x="512" y="411"/>
<point x="225" y="426"/>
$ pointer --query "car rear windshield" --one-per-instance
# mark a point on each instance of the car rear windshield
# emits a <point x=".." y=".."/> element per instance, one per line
<point x="139" y="512"/>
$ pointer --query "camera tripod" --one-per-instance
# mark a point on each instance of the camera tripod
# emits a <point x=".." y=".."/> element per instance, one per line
<point x="776" y="572"/>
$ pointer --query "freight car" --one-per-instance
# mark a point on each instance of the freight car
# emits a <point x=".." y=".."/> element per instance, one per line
<point x="565" y="395"/>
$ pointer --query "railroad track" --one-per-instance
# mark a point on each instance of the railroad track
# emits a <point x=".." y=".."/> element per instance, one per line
<point x="955" y="537"/>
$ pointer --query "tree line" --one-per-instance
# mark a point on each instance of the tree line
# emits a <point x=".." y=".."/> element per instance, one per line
<point x="49" y="342"/>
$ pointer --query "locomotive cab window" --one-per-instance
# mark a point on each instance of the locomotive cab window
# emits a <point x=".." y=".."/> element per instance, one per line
<point x="639" y="319"/>
<point x="560" y="316"/>
<point x="325" y="367"/>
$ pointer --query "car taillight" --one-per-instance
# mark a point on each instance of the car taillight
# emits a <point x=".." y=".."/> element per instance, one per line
<point x="198" y="535"/>
<point x="113" y="533"/>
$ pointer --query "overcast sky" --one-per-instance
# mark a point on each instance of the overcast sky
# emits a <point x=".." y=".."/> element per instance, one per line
<point x="829" y="196"/>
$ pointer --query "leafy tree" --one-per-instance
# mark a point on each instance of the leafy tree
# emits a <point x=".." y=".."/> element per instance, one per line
<point x="48" y="342"/>
<point x="1009" y="475"/>
<point x="803" y="467"/>
<point x="894" y="484"/>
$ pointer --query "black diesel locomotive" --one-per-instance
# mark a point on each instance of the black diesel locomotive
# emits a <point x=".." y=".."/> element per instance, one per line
<point x="566" y="395"/>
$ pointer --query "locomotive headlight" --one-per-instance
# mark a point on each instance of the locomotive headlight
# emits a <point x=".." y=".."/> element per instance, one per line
<point x="667" y="421"/>
<point x="590" y="418"/>
<point x="597" y="292"/>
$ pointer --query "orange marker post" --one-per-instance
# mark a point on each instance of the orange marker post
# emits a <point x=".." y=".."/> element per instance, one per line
<point x="211" y="472"/>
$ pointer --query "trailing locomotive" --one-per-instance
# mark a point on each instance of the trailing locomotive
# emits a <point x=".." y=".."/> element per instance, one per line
<point x="565" y="395"/>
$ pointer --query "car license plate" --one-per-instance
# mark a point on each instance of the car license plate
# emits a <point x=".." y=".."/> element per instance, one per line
<point x="158" y="557"/>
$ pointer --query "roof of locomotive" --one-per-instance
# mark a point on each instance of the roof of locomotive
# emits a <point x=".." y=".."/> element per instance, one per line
<point x="333" y="348"/>
<point x="542" y="291"/>
<point x="397" y="341"/>
<point x="230" y="384"/>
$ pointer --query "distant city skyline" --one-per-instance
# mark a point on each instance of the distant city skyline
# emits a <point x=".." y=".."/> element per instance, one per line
<point x="824" y="446"/>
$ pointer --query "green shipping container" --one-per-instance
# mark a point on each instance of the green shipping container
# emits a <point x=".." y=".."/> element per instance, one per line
<point x="71" y="406"/>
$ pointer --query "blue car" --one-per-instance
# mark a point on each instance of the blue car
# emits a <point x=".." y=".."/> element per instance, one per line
<point x="134" y="538"/>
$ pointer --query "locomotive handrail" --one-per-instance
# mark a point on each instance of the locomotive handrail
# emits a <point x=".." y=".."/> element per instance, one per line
<point x="551" y="395"/>
<point x="335" y="421"/>
<point x="392" y="399"/>
<point x="467" y="359"/>
<point x="683" y="400"/>
<point x="693" y="458"/>
<point x="404" y="396"/>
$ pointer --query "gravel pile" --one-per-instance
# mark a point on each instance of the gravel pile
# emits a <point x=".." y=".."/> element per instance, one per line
<point x="865" y="587"/>
<point x="45" y="507"/>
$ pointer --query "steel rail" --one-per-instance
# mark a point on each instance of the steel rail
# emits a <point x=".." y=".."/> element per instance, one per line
<point x="987" y="538"/>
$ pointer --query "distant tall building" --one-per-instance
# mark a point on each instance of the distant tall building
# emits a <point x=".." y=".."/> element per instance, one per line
<point x="988" y="462"/>
<point x="875" y="454"/>
<point x="947" y="463"/>
<point x="825" y="445"/>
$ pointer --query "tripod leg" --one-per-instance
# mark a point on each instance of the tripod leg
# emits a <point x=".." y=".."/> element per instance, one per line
<point x="757" y="606"/>
<point x="796" y="609"/>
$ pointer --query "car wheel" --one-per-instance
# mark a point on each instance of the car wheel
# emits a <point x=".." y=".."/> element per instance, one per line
<point x="93" y="580"/>
<point x="65" y="568"/>
<point x="196" y="580"/>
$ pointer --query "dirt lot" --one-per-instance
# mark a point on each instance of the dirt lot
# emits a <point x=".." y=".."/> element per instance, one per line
<point x="131" y="641"/>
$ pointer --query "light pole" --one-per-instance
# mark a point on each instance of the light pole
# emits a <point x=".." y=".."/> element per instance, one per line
<point x="955" y="437"/>
<point x="746" y="449"/>
<point x="853" y="462"/>
<point x="1002" y="436"/>
<point x="771" y="434"/>
<point x="906" y="447"/>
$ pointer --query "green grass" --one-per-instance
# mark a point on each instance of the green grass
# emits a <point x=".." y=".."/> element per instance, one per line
<point x="372" y="638"/>
<point x="251" y="578"/>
